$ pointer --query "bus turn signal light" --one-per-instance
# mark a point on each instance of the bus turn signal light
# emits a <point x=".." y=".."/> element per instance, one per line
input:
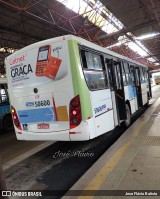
<point x="75" y="112"/>
<point x="15" y="118"/>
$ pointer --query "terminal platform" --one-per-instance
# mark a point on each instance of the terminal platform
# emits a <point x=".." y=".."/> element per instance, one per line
<point x="131" y="166"/>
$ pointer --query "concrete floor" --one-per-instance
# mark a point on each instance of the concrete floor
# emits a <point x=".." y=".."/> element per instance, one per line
<point x="13" y="151"/>
<point x="131" y="165"/>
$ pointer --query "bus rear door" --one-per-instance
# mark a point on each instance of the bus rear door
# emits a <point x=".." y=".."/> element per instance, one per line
<point x="116" y="82"/>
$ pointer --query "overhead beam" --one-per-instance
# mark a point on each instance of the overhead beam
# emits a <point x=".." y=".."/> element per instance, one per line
<point x="125" y="30"/>
<point x="19" y="32"/>
<point x="152" y="55"/>
<point x="155" y="11"/>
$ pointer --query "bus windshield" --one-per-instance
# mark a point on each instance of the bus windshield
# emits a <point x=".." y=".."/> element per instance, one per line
<point x="3" y="94"/>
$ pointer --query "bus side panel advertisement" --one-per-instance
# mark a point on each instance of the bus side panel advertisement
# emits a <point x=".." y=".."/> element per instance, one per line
<point x="38" y="66"/>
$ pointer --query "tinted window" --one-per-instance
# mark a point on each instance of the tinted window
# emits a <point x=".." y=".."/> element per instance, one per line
<point x="95" y="79"/>
<point x="132" y="75"/>
<point x="127" y="72"/>
<point x="144" y="75"/>
<point x="109" y="65"/>
<point x="93" y="61"/>
<point x="124" y="75"/>
<point x="118" y="76"/>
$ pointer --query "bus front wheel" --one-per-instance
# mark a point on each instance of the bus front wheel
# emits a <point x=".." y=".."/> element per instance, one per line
<point x="7" y="123"/>
<point x="127" y="122"/>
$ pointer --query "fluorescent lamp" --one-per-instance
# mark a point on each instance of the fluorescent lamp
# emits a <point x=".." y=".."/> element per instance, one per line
<point x="147" y="36"/>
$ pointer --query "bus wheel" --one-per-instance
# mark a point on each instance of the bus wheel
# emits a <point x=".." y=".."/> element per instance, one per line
<point x="127" y="122"/>
<point x="7" y="123"/>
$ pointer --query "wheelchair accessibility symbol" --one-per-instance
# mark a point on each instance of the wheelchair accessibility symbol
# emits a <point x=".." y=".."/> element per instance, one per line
<point x="25" y="127"/>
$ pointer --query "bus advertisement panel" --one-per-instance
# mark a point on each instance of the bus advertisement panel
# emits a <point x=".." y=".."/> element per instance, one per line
<point x="37" y="66"/>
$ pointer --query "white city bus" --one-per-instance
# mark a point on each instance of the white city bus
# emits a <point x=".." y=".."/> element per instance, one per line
<point x="67" y="88"/>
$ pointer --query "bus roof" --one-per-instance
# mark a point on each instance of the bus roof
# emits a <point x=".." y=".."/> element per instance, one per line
<point x="81" y="41"/>
<point x="107" y="51"/>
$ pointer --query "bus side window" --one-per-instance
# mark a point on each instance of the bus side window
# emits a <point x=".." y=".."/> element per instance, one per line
<point x="109" y="68"/>
<point x="127" y="72"/>
<point x="142" y="75"/>
<point x="118" y="77"/>
<point x="89" y="60"/>
<point x="145" y="75"/>
<point x="137" y="77"/>
<point x="83" y="59"/>
<point x="124" y="75"/>
<point x="94" y="70"/>
<point x="140" y="70"/>
<point x="132" y="75"/>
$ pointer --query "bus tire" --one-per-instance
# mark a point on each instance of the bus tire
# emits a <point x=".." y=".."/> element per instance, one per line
<point x="7" y="123"/>
<point x="127" y="122"/>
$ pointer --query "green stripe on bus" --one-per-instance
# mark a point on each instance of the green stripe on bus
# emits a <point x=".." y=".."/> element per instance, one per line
<point x="79" y="84"/>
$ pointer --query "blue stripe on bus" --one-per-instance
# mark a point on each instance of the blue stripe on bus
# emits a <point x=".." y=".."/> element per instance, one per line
<point x="37" y="115"/>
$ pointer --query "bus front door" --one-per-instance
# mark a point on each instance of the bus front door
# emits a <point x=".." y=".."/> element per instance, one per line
<point x="117" y="87"/>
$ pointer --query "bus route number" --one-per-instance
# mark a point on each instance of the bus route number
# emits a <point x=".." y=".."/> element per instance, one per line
<point x="42" y="103"/>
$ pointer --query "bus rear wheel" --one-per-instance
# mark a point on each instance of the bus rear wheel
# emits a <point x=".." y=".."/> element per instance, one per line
<point x="7" y="123"/>
<point x="127" y="122"/>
